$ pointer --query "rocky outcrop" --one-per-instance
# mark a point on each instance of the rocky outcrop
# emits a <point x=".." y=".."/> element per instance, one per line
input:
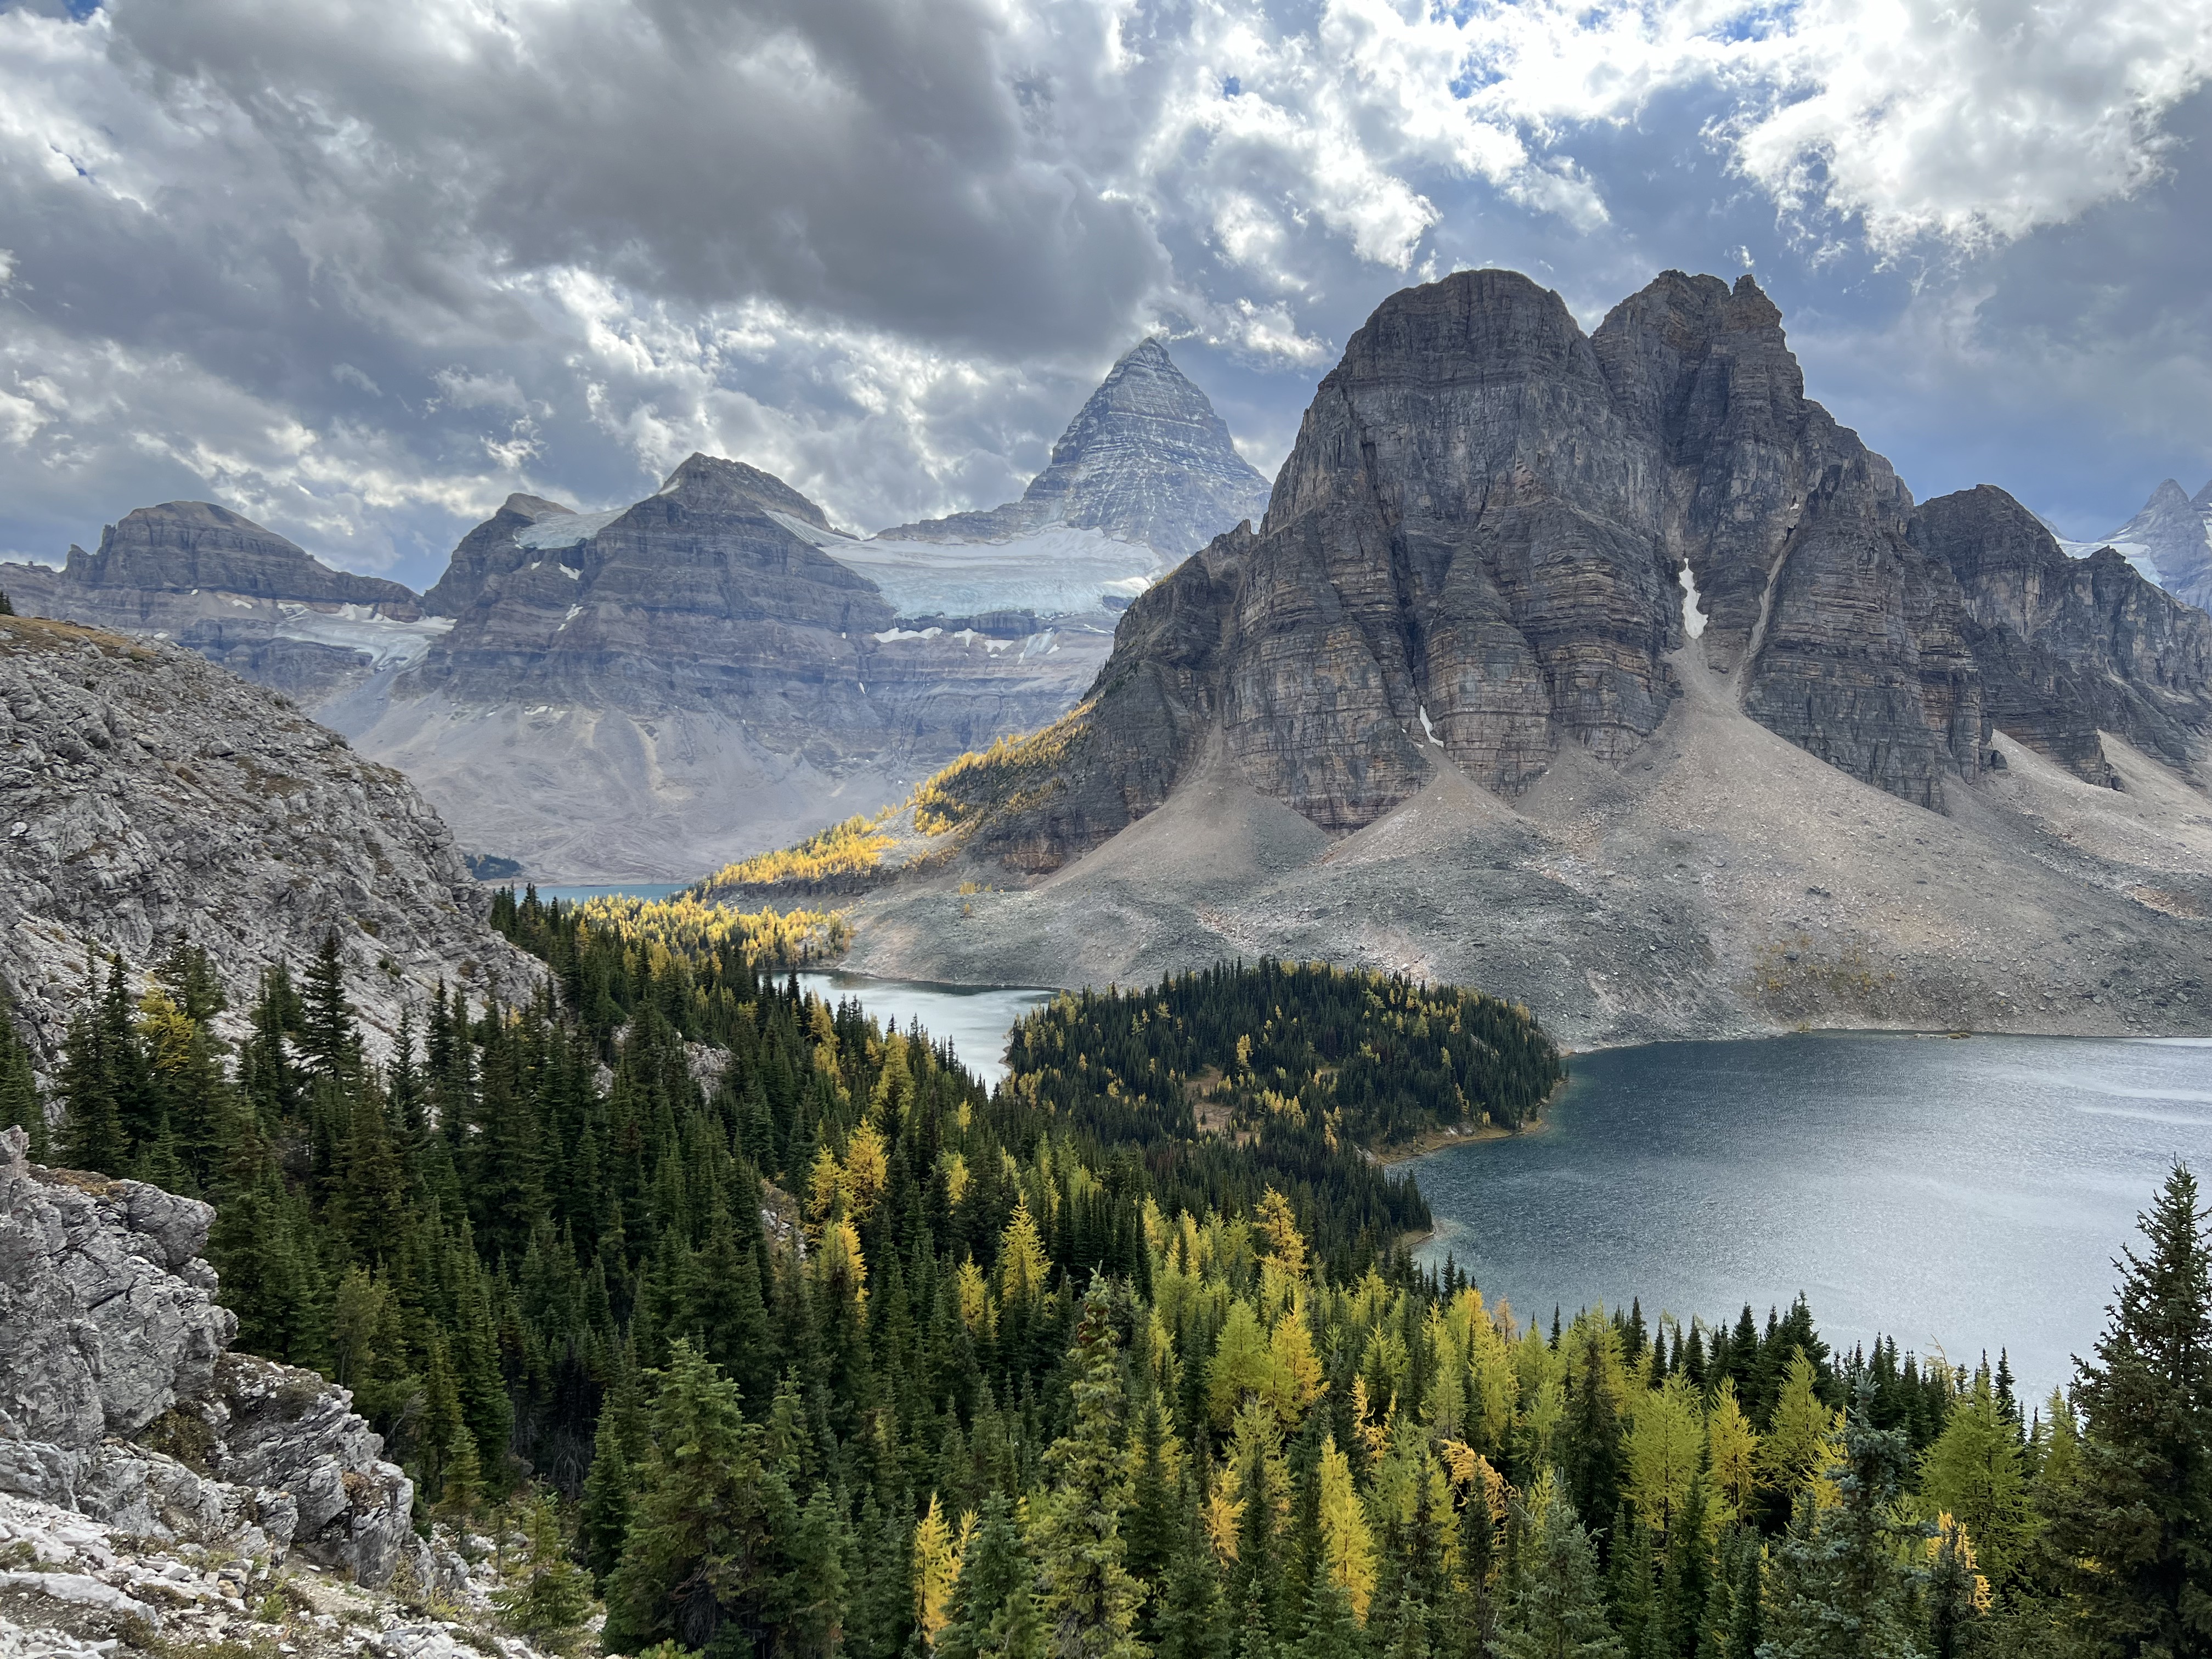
<point x="2068" y="647"/>
<point x="112" y="1346"/>
<point x="149" y="797"/>
<point x="239" y="595"/>
<point x="1145" y="459"/>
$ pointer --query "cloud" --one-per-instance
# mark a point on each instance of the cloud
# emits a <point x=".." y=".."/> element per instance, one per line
<point x="360" y="269"/>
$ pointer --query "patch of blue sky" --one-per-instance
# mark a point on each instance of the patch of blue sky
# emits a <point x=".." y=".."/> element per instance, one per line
<point x="1474" y="76"/>
<point x="1764" y="22"/>
<point x="1231" y="86"/>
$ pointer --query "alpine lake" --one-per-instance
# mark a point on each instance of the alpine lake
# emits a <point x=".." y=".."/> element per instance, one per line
<point x="1958" y="1194"/>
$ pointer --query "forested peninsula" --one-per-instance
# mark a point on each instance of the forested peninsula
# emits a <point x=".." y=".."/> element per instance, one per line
<point x="769" y="1332"/>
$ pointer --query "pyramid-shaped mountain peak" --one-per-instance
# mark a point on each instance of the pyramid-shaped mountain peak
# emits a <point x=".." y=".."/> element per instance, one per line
<point x="1147" y="459"/>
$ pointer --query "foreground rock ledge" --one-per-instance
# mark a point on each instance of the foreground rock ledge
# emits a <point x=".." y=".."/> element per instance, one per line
<point x="111" y="1342"/>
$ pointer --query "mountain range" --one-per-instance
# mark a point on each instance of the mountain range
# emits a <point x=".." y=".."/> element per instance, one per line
<point x="1608" y="671"/>
<point x="654" y="690"/>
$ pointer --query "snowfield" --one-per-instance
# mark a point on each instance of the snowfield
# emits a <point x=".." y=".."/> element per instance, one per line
<point x="1055" y="571"/>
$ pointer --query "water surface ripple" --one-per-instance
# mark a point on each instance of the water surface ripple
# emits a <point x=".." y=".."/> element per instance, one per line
<point x="1953" y="1193"/>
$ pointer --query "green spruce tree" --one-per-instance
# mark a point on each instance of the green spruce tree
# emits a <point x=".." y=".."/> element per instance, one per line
<point x="2136" y="1518"/>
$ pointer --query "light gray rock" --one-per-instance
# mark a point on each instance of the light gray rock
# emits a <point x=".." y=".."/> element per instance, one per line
<point x="108" y="1324"/>
<point x="98" y="1333"/>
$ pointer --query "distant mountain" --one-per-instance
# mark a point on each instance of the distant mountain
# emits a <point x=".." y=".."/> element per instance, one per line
<point x="221" y="584"/>
<point x="658" y="689"/>
<point x="1145" y="460"/>
<point x="2170" y="541"/>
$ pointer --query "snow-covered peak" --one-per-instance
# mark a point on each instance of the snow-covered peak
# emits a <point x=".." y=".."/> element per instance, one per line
<point x="2169" y="542"/>
<point x="1145" y="460"/>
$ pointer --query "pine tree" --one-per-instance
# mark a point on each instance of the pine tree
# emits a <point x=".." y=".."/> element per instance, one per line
<point x="1331" y="1629"/>
<point x="1843" y="1590"/>
<point x="1090" y="1600"/>
<point x="1686" y="1586"/>
<point x="997" y="1564"/>
<point x="2137" y="1518"/>
<point x="20" y="1107"/>
<point x="92" y="1136"/>
<point x="1554" y="1607"/>
<point x="543" y="1595"/>
<point x="1190" y="1623"/>
<point x="701" y="1553"/>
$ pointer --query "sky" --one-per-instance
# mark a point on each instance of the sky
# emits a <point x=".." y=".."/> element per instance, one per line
<point x="358" y="269"/>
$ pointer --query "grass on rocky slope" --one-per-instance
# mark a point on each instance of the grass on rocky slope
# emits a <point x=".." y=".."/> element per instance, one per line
<point x="1014" y="773"/>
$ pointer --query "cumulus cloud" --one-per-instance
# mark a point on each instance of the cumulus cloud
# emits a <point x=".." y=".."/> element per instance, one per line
<point x="359" y="270"/>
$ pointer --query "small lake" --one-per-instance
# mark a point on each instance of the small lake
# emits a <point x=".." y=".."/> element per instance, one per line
<point x="1961" y="1193"/>
<point x="975" y="1019"/>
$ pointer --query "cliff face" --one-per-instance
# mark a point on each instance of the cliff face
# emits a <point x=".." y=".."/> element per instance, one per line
<point x="147" y="797"/>
<point x="1478" y="552"/>
<point x="219" y="584"/>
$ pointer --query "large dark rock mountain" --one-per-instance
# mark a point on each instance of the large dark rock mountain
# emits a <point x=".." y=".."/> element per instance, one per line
<point x="1607" y="672"/>
<point x="1482" y="548"/>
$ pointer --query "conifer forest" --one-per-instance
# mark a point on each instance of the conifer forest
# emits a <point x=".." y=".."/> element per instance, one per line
<point x="785" y="1338"/>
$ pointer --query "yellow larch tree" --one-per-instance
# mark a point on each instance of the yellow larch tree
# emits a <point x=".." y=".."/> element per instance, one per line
<point x="1022" y="1263"/>
<point x="1798" y="1443"/>
<point x="1731" y="1448"/>
<point x="1347" y="1546"/>
<point x="1295" y="1379"/>
<point x="1664" y="1448"/>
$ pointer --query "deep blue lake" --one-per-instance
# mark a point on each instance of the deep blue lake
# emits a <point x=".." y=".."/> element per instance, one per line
<point x="1959" y="1194"/>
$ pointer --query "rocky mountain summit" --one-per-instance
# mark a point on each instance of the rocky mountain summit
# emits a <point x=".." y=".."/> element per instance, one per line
<point x="1145" y="460"/>
<point x="219" y="584"/>
<point x="148" y="797"/>
<point x="1609" y="671"/>
<point x="2170" y="541"/>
